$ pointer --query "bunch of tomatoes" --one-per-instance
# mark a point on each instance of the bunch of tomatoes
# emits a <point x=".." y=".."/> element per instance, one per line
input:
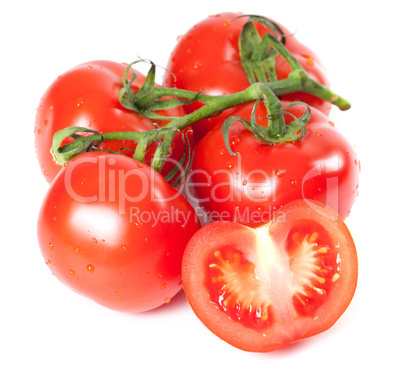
<point x="160" y="194"/>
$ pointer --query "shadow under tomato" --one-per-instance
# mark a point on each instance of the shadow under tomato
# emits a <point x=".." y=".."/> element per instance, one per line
<point x="178" y="302"/>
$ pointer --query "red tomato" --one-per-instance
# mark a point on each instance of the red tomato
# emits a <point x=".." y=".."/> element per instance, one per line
<point x="262" y="289"/>
<point x="88" y="96"/>
<point x="114" y="230"/>
<point x="248" y="188"/>
<point x="207" y="57"/>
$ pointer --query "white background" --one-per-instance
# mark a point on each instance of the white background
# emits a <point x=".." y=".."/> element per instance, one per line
<point x="46" y="328"/>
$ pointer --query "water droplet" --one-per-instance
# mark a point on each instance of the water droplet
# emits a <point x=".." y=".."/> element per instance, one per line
<point x="167" y="300"/>
<point x="319" y="134"/>
<point x="245" y="182"/>
<point x="72" y="273"/>
<point x="90" y="268"/>
<point x="163" y="286"/>
<point x="124" y="247"/>
<point x="332" y="123"/>
<point x="234" y="140"/>
<point x="50" y="246"/>
<point x="226" y="23"/>
<point x="310" y="61"/>
<point x="293" y="183"/>
<point x="90" y="67"/>
<point x="222" y="152"/>
<point x="45" y="122"/>
<point x="80" y="102"/>
<point x="280" y="172"/>
<point x="139" y="165"/>
<point x="146" y="239"/>
<point x="48" y="262"/>
<point x="197" y="64"/>
<point x="260" y="208"/>
<point x="95" y="241"/>
<point x="77" y="249"/>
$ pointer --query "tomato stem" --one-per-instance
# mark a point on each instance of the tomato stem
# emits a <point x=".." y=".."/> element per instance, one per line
<point x="148" y="100"/>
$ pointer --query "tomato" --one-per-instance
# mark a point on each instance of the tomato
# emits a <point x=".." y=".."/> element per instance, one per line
<point x="114" y="230"/>
<point x="248" y="188"/>
<point x="262" y="289"/>
<point x="207" y="58"/>
<point x="88" y="96"/>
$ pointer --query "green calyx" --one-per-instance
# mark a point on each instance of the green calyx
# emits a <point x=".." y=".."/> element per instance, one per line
<point x="277" y="131"/>
<point x="257" y="56"/>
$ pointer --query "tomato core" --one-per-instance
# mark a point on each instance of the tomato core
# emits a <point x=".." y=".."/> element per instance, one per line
<point x="245" y="288"/>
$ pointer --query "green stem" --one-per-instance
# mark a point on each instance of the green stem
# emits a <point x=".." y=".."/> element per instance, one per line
<point x="298" y="80"/>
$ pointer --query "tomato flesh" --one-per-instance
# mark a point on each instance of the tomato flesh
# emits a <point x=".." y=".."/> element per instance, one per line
<point x="236" y="290"/>
<point x="315" y="253"/>
<point x="262" y="289"/>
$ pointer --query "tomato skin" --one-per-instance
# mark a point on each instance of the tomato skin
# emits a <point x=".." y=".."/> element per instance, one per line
<point x="207" y="58"/>
<point x="97" y="236"/>
<point x="322" y="166"/>
<point x="88" y="96"/>
<point x="286" y="325"/>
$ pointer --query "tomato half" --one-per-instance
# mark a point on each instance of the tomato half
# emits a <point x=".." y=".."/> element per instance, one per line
<point x="262" y="289"/>
<point x="114" y="230"/>
<point x="88" y="96"/>
<point x="207" y="58"/>
<point x="248" y="188"/>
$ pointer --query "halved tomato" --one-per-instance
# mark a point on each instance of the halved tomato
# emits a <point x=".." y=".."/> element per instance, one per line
<point x="262" y="289"/>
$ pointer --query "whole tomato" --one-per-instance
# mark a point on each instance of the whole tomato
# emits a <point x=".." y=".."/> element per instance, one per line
<point x="88" y="96"/>
<point x="113" y="230"/>
<point x="248" y="188"/>
<point x="207" y="58"/>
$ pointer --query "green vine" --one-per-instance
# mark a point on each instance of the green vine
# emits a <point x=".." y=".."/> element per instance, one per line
<point x="258" y="57"/>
